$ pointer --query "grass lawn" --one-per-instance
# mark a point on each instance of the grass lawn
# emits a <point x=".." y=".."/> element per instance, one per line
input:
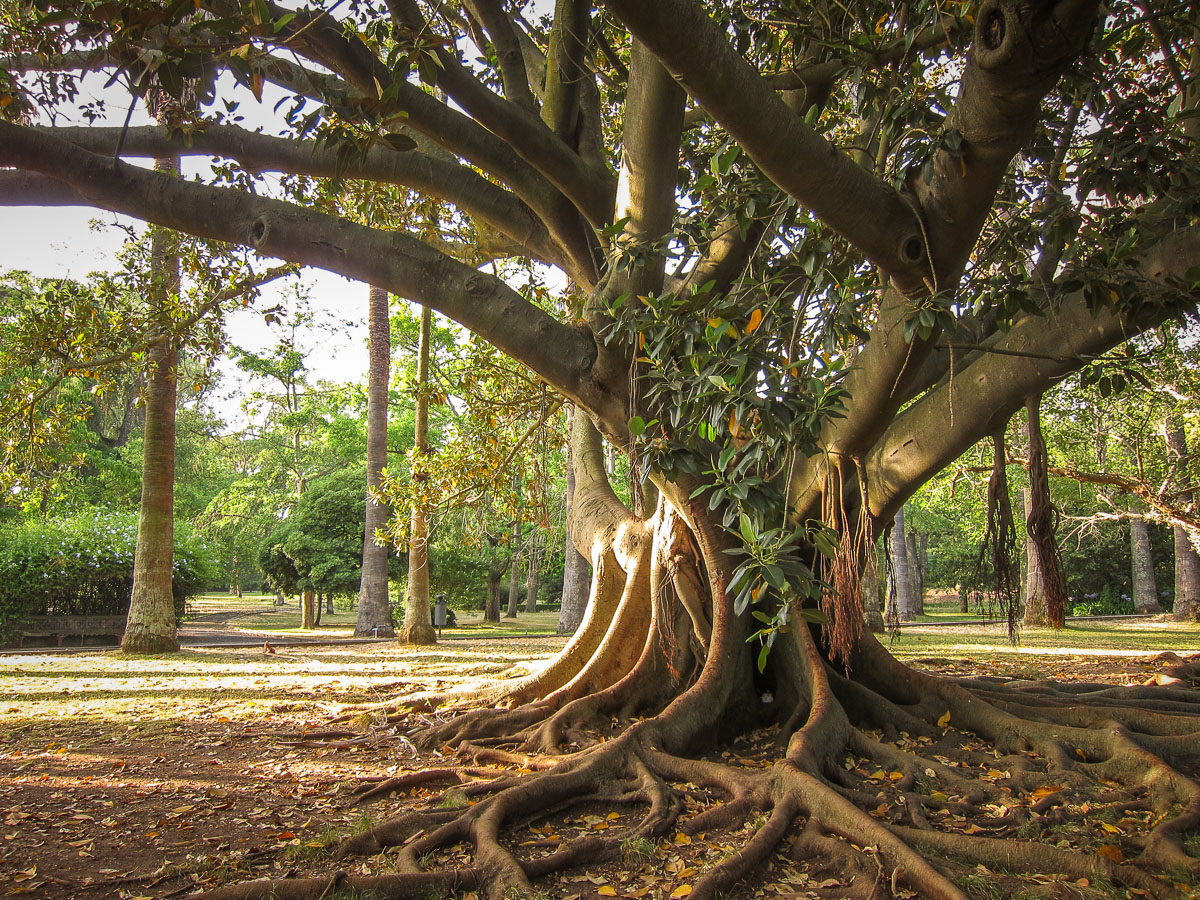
<point x="257" y="613"/>
<point x="132" y="777"/>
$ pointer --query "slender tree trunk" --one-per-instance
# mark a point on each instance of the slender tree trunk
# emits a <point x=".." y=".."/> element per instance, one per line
<point x="1040" y="521"/>
<point x="1145" y="589"/>
<point x="1187" y="562"/>
<point x="318" y="608"/>
<point x="329" y="604"/>
<point x="901" y="606"/>
<point x="872" y="592"/>
<point x="491" y="612"/>
<point x="514" y="573"/>
<point x="576" y="577"/>
<point x="418" y="622"/>
<point x="913" y="541"/>
<point x="533" y="579"/>
<point x="374" y="608"/>
<point x="1033" y="586"/>
<point x="308" y="609"/>
<point x="150" y="626"/>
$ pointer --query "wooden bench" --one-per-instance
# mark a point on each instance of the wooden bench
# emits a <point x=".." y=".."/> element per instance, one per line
<point x="82" y="627"/>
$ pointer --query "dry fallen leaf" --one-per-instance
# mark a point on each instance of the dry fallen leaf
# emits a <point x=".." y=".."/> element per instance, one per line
<point x="1046" y="791"/>
<point x="682" y="891"/>
<point x="607" y="891"/>
<point x="1112" y="852"/>
<point x="944" y="720"/>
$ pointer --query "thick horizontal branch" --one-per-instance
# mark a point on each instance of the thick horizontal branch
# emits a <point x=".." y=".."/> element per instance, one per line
<point x="1039" y="351"/>
<point x="396" y="261"/>
<point x="447" y="180"/>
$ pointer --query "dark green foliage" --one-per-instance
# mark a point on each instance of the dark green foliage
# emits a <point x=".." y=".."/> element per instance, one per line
<point x="83" y="565"/>
<point x="319" y="544"/>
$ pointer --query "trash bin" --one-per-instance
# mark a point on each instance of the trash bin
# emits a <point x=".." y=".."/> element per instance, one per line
<point x="439" y="612"/>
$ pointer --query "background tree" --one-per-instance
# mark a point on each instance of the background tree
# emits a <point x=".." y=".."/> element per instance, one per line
<point x="374" y="602"/>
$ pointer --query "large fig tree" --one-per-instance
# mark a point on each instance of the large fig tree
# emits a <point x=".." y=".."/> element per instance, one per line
<point x="819" y="250"/>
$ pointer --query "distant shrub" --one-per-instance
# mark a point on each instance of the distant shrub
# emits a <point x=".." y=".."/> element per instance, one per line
<point x="1107" y="603"/>
<point x="83" y="565"/>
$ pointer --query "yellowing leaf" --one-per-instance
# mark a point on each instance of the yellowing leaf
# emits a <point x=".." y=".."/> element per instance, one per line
<point x="613" y="816"/>
<point x="1111" y="829"/>
<point x="895" y="776"/>
<point x="944" y="720"/>
<point x="607" y="891"/>
<point x="756" y="318"/>
<point x="1112" y="852"/>
<point x="682" y="891"/>
<point x="682" y="838"/>
<point x="1046" y="791"/>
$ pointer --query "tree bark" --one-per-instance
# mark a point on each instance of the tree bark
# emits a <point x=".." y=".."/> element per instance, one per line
<point x="308" y="609"/>
<point x="491" y="611"/>
<point x="374" y="606"/>
<point x="150" y="626"/>
<point x="1187" y="561"/>
<point x="901" y="606"/>
<point x="1033" y="586"/>
<point x="914" y="541"/>
<point x="418" y="622"/>
<point x="514" y="572"/>
<point x="1040" y="521"/>
<point x="576" y="577"/>
<point x="533" y="579"/>
<point x="1145" y="588"/>
<point x="872" y="591"/>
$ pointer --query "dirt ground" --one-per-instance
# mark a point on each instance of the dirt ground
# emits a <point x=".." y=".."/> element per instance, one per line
<point x="158" y="777"/>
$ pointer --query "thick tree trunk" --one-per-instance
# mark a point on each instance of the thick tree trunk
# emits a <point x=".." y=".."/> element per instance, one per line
<point x="575" y="565"/>
<point x="1033" y="588"/>
<point x="491" y="611"/>
<point x="374" y="606"/>
<point x="150" y="626"/>
<point x="1187" y="561"/>
<point x="533" y="579"/>
<point x="1145" y="588"/>
<point x="901" y="595"/>
<point x="418" y="622"/>
<point x="308" y="609"/>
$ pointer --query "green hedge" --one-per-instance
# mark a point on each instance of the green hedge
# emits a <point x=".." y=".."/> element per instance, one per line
<point x="83" y="565"/>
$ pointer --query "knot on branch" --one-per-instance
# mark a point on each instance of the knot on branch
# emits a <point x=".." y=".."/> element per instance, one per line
<point x="259" y="232"/>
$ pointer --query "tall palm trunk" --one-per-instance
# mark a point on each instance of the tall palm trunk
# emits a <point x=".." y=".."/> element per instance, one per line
<point x="418" y="624"/>
<point x="151" y="625"/>
<point x="374" y="612"/>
